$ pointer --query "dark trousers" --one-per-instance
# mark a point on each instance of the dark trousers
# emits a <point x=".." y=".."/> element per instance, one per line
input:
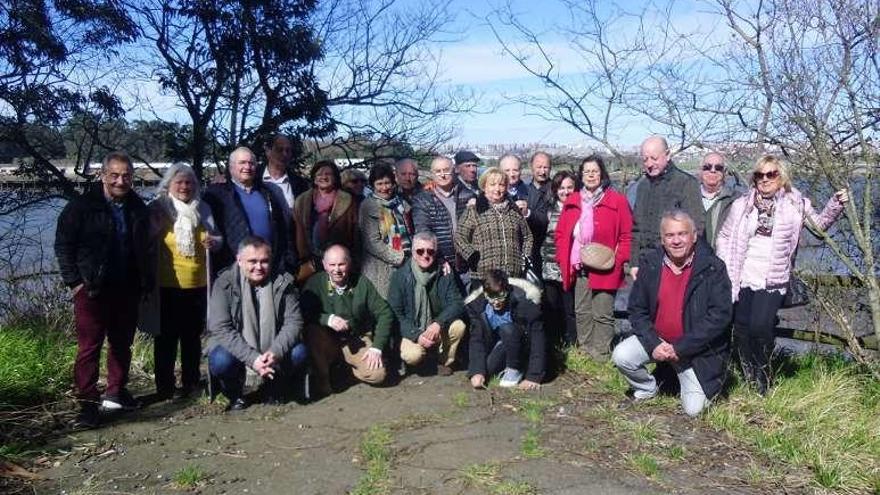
<point x="182" y="319"/>
<point x="560" y="324"/>
<point x="111" y="314"/>
<point x="754" y="334"/>
<point x="506" y="346"/>
<point x="230" y="372"/>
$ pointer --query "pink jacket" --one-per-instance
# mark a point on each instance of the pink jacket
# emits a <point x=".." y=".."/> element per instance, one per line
<point x="792" y="210"/>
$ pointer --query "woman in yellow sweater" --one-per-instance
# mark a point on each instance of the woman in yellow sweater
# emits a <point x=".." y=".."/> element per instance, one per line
<point x="184" y="229"/>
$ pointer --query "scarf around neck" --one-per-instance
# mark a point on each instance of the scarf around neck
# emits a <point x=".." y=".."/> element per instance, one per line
<point x="258" y="329"/>
<point x="423" y="304"/>
<point x="186" y="222"/>
<point x="766" y="210"/>
<point x="583" y="232"/>
<point x="394" y="226"/>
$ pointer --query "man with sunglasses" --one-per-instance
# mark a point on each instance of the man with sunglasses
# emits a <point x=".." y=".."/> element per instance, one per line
<point x="716" y="194"/>
<point x="428" y="306"/>
<point x="505" y="316"/>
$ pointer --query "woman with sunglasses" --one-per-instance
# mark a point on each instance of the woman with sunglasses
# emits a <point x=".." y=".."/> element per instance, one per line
<point x="385" y="221"/>
<point x="594" y="214"/>
<point x="757" y="243"/>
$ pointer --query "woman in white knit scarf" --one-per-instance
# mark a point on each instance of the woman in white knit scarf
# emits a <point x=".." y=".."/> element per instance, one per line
<point x="183" y="229"/>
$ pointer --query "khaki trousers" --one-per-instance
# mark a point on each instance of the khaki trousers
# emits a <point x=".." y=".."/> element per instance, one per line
<point x="413" y="353"/>
<point x="594" y="312"/>
<point x="327" y="346"/>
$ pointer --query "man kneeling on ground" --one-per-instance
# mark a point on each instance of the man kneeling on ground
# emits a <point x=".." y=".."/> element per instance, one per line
<point x="680" y="312"/>
<point x="505" y="314"/>
<point x="254" y="326"/>
<point x="345" y="318"/>
<point x="428" y="305"/>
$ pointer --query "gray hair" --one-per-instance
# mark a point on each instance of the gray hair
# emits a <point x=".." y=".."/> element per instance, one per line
<point x="425" y="235"/>
<point x="403" y="161"/>
<point x="540" y="153"/>
<point x="253" y="241"/>
<point x="239" y="150"/>
<point x="344" y="249"/>
<point x="116" y="156"/>
<point x="507" y="156"/>
<point x="172" y="172"/>
<point x="678" y="216"/>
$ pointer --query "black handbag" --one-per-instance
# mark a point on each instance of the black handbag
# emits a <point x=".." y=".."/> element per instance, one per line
<point x="796" y="293"/>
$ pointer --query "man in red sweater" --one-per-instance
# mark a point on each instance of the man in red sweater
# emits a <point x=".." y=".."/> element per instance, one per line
<point x="680" y="311"/>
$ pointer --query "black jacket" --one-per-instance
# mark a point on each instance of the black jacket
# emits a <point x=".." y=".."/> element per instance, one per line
<point x="232" y="222"/>
<point x="538" y="219"/>
<point x="85" y="235"/>
<point x="429" y="214"/>
<point x="708" y="311"/>
<point x="447" y="304"/>
<point x="673" y="189"/>
<point x="525" y="300"/>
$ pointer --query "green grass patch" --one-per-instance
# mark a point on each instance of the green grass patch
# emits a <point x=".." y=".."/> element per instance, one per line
<point x="533" y="409"/>
<point x="676" y="453"/>
<point x="604" y="372"/>
<point x="645" y="464"/>
<point x="531" y="444"/>
<point x="375" y="450"/>
<point x="35" y="365"/>
<point x="821" y="415"/>
<point x="461" y="400"/>
<point x="488" y="477"/>
<point x="189" y="477"/>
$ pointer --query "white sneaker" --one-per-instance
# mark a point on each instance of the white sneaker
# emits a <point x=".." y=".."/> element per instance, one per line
<point x="510" y="378"/>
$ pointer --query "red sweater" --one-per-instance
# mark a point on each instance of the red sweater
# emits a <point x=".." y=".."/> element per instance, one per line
<point x="669" y="320"/>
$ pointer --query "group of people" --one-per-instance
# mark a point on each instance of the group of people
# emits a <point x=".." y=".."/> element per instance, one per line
<point x="314" y="274"/>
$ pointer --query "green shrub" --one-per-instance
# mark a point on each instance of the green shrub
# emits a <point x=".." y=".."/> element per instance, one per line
<point x="35" y="365"/>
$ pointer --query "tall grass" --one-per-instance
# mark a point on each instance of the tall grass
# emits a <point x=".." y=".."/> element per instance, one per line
<point x="35" y="365"/>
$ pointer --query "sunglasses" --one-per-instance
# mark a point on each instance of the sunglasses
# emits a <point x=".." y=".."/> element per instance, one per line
<point x="501" y="296"/>
<point x="768" y="175"/>
<point x="425" y="251"/>
<point x="718" y="167"/>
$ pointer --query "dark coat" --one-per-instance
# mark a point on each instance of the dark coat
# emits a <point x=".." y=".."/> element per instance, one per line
<point x="524" y="301"/>
<point x="85" y="234"/>
<point x="717" y="213"/>
<point x="708" y="311"/>
<point x="673" y="189"/>
<point x="447" y="304"/>
<point x="538" y="219"/>
<point x="233" y="224"/>
<point x="429" y="214"/>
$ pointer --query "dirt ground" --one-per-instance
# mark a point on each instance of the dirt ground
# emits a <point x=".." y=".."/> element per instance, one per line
<point x="572" y="437"/>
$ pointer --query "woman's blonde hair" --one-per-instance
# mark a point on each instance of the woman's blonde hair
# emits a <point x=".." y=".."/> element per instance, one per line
<point x="784" y="176"/>
<point x="490" y="172"/>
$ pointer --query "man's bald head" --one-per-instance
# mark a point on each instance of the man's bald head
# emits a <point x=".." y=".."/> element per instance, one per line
<point x="655" y="155"/>
<point x="337" y="263"/>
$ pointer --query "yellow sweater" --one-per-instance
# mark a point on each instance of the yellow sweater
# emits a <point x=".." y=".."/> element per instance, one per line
<point x="178" y="271"/>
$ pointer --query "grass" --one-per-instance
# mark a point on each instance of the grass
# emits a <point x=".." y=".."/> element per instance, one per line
<point x="610" y="380"/>
<point x="461" y="400"/>
<point x="376" y="451"/>
<point x="531" y="444"/>
<point x="821" y="415"/>
<point x="645" y="464"/>
<point x="533" y="409"/>
<point x="35" y="365"/>
<point x="189" y="477"/>
<point x="488" y="477"/>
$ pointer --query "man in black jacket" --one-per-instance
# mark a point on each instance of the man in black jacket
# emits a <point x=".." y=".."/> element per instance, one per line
<point x="104" y="254"/>
<point x="680" y="311"/>
<point x="428" y="305"/>
<point x="278" y="172"/>
<point x="665" y="188"/>
<point x="244" y="206"/>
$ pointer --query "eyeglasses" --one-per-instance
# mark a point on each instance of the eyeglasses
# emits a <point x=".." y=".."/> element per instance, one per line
<point x="425" y="251"/>
<point x="442" y="174"/>
<point x="498" y="297"/>
<point x="718" y="167"/>
<point x="768" y="175"/>
<point x="589" y="173"/>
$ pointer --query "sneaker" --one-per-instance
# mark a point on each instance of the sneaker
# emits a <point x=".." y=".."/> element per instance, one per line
<point x="510" y="378"/>
<point x="88" y="417"/>
<point x="123" y="401"/>
<point x="237" y="405"/>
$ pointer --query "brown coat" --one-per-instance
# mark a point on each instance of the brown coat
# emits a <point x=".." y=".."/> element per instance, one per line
<point x="342" y="228"/>
<point x="488" y="239"/>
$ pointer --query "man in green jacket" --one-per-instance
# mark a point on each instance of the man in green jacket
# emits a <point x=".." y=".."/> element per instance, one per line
<point x="428" y="305"/>
<point x="345" y="318"/>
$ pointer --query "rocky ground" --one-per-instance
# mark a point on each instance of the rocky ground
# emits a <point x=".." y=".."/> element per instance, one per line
<point x="426" y="435"/>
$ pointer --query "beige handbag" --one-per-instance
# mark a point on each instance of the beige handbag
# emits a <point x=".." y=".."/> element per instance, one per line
<point x="597" y="256"/>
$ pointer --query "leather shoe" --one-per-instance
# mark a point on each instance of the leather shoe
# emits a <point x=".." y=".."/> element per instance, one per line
<point x="237" y="405"/>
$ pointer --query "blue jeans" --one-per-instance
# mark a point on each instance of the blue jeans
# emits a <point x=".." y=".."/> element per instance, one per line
<point x="229" y="371"/>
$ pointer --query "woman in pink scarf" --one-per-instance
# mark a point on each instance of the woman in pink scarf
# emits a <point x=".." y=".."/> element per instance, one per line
<point x="596" y="213"/>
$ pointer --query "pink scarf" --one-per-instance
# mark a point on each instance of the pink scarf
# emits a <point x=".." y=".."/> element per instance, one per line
<point x="584" y="228"/>
<point x="323" y="205"/>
